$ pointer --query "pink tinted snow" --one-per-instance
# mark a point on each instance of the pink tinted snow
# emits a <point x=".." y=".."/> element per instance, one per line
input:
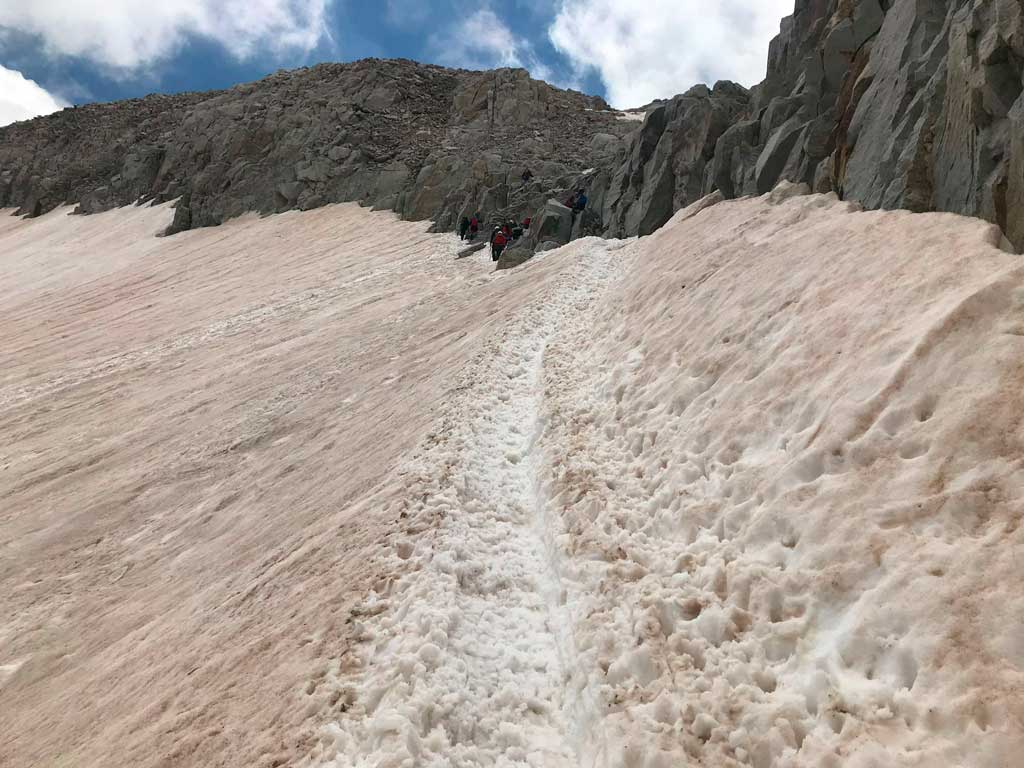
<point x="307" y="488"/>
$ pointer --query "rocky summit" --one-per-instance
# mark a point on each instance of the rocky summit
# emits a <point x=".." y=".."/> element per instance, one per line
<point x="910" y="104"/>
<point x="425" y="141"/>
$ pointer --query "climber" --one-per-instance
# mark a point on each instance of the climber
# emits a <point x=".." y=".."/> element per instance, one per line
<point x="579" y="204"/>
<point x="463" y="227"/>
<point x="506" y="230"/>
<point x="570" y="201"/>
<point x="527" y="176"/>
<point x="498" y="242"/>
<point x="474" y="227"/>
<point x="526" y="224"/>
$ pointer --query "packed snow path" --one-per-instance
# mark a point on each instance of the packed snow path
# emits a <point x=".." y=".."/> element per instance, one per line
<point x="469" y="659"/>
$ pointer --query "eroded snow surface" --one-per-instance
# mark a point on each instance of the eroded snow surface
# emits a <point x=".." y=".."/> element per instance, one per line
<point x="752" y="505"/>
<point x="746" y="492"/>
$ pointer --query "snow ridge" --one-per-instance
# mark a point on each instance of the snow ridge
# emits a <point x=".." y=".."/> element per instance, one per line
<point x="469" y="657"/>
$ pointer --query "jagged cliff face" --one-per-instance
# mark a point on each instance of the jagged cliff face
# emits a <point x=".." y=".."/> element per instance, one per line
<point x="425" y="141"/>
<point x="894" y="103"/>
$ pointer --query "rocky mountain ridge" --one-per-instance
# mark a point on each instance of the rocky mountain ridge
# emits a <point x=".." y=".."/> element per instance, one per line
<point x="425" y="141"/>
<point x="893" y="103"/>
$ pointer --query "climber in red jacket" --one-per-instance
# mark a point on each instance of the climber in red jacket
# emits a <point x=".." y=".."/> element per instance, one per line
<point x="498" y="243"/>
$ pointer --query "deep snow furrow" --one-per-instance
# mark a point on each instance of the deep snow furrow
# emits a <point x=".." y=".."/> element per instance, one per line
<point x="468" y="660"/>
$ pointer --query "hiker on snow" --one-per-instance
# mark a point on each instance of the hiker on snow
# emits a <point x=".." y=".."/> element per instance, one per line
<point x="463" y="227"/>
<point x="474" y="227"/>
<point x="498" y="243"/>
<point x="579" y="204"/>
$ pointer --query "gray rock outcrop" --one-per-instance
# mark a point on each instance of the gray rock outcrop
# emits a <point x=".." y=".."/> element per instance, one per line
<point x="667" y="159"/>
<point x="514" y="256"/>
<point x="910" y="104"/>
<point x="553" y="223"/>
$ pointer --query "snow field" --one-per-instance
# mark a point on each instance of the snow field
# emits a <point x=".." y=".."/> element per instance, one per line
<point x="309" y="490"/>
<point x="791" y="483"/>
<point x="757" y="505"/>
<point x="198" y="443"/>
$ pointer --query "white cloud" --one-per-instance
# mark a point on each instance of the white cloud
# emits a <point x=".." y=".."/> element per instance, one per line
<point x="129" y="34"/>
<point x="23" y="99"/>
<point x="649" y="49"/>
<point x="481" y="40"/>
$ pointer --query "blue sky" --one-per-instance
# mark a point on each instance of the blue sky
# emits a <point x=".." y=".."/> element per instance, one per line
<point x="56" y="52"/>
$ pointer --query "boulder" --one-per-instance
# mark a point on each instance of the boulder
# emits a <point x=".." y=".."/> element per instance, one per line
<point x="469" y="250"/>
<point x="316" y="170"/>
<point x="514" y="257"/>
<point x="605" y="144"/>
<point x="289" y="192"/>
<point x="338" y="154"/>
<point x="786" y="190"/>
<point x="553" y="223"/>
<point x="392" y="179"/>
<point x="141" y="168"/>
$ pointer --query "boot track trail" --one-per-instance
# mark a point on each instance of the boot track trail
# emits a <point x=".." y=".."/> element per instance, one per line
<point x="469" y="660"/>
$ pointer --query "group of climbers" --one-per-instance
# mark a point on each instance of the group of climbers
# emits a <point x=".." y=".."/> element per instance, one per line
<point x="502" y="234"/>
<point x="510" y="231"/>
<point x="469" y="227"/>
<point x="506" y="233"/>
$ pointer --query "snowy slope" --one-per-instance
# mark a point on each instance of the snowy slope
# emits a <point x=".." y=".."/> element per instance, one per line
<point x="790" y="480"/>
<point x="307" y="490"/>
<point x="758" y="505"/>
<point x="198" y="444"/>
